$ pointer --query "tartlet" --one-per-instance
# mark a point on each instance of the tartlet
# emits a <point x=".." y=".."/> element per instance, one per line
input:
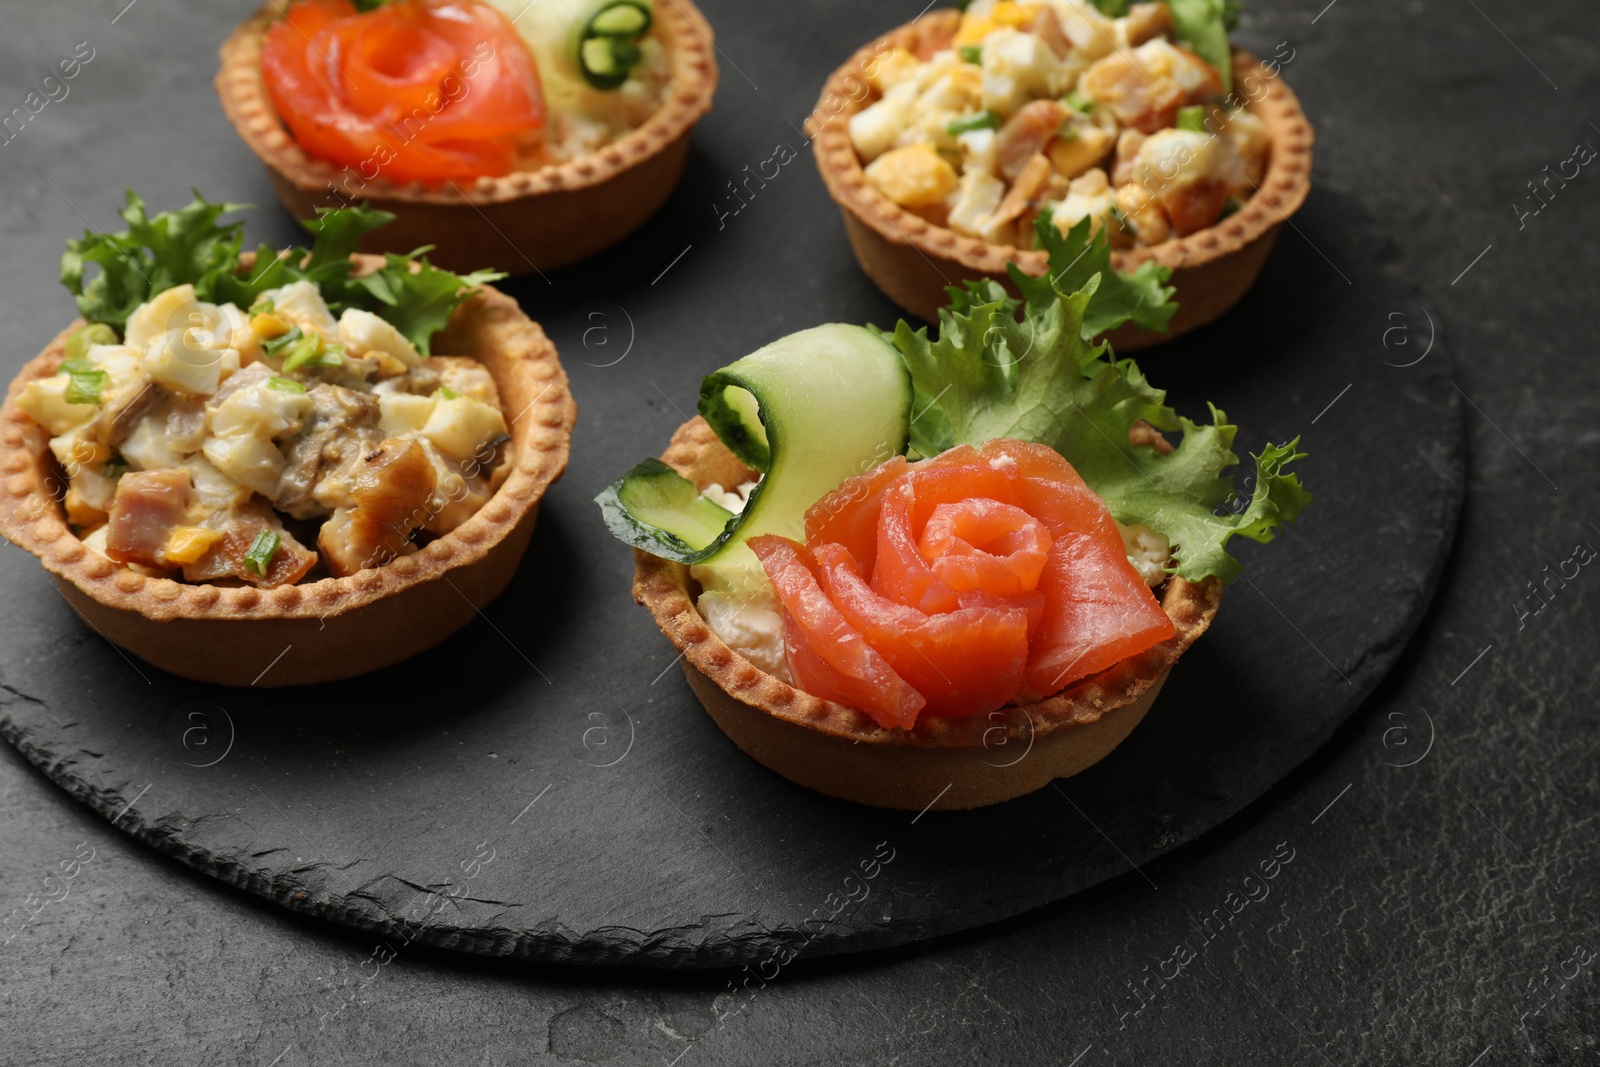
<point x="913" y="260"/>
<point x="336" y="627"/>
<point x="941" y="763"/>
<point x="528" y="220"/>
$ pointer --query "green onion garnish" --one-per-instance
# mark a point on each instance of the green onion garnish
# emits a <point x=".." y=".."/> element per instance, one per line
<point x="262" y="549"/>
<point x="115" y="467"/>
<point x="970" y="53"/>
<point x="83" y="386"/>
<point x="283" y="340"/>
<point x="264" y="306"/>
<point x="1192" y="119"/>
<point x="1233" y="204"/>
<point x="1082" y="102"/>
<point x="96" y="334"/>
<point x="983" y="120"/>
<point x="288" y="385"/>
<point x="446" y="393"/>
<point x="311" y="351"/>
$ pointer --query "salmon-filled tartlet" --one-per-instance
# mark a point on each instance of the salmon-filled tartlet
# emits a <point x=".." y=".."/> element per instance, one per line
<point x="520" y="135"/>
<point x="906" y="570"/>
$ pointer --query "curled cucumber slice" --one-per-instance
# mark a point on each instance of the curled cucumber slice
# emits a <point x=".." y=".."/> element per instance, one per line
<point x="808" y="411"/>
<point x="605" y="45"/>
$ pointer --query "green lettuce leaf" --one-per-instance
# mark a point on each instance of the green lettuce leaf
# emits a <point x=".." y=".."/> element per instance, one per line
<point x="1203" y="25"/>
<point x="990" y="373"/>
<point x="191" y="246"/>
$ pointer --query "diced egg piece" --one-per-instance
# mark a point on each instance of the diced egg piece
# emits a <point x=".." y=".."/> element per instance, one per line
<point x="979" y="151"/>
<point x="253" y="462"/>
<point x="891" y="68"/>
<point x="75" y="450"/>
<point x="977" y="197"/>
<point x="214" y="490"/>
<point x="362" y="333"/>
<point x="874" y="129"/>
<point x="181" y="361"/>
<point x="301" y="304"/>
<point x="259" y="410"/>
<point x="1017" y="67"/>
<point x="1090" y="33"/>
<point x="147" y="445"/>
<point x="45" y="401"/>
<point x="403" y="412"/>
<point x="913" y="176"/>
<point x="461" y="425"/>
<point x="1088" y="197"/>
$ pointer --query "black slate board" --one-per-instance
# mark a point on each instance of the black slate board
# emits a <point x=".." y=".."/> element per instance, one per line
<point x="545" y="786"/>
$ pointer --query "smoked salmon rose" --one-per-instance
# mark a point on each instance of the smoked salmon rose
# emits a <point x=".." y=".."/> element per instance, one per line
<point x="956" y="585"/>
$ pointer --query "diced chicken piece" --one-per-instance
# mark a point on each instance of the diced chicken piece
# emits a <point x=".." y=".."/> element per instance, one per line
<point x="140" y="408"/>
<point x="1250" y="143"/>
<point x="1128" y="142"/>
<point x="914" y="176"/>
<point x="226" y="557"/>
<point x="1047" y="27"/>
<point x="340" y="428"/>
<point x="1142" y="23"/>
<point x="1091" y="34"/>
<point x="1020" y="197"/>
<point x="1143" y="216"/>
<point x="1145" y="87"/>
<point x="1185" y="171"/>
<point x="390" y="499"/>
<point x="364" y="334"/>
<point x="460" y="489"/>
<point x="1025" y="135"/>
<point x="147" y="507"/>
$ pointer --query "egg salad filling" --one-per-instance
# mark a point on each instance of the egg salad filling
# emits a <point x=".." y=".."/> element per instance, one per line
<point x="1054" y="110"/>
<point x="268" y="444"/>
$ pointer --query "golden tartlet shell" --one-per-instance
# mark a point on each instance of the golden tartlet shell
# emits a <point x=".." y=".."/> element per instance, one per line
<point x="947" y="764"/>
<point x="912" y="260"/>
<point x="521" y="222"/>
<point x="336" y="627"/>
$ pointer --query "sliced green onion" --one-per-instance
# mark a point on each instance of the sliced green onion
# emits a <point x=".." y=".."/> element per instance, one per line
<point x="264" y="306"/>
<point x="446" y="393"/>
<point x="262" y="549"/>
<point x="1233" y="204"/>
<point x="75" y="365"/>
<point x="311" y="351"/>
<point x="282" y="341"/>
<point x="84" y="386"/>
<point x="604" y="46"/>
<point x="970" y="53"/>
<point x="1081" y="102"/>
<point x="94" y="334"/>
<point x="983" y="120"/>
<point x="288" y="385"/>
<point x="115" y="467"/>
<point x="1192" y="119"/>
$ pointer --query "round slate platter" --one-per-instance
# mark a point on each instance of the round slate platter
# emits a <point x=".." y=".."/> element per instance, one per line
<point x="545" y="786"/>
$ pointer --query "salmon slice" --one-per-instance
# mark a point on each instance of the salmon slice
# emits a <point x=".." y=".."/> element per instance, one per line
<point x="983" y="576"/>
<point x="828" y="657"/>
<point x="964" y="662"/>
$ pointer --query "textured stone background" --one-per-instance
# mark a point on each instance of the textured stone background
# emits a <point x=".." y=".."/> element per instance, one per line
<point x="1427" y="915"/>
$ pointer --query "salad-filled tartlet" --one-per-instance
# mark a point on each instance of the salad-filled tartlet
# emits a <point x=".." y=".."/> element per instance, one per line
<point x="946" y="140"/>
<point x="522" y="135"/>
<point x="331" y="457"/>
<point x="906" y="570"/>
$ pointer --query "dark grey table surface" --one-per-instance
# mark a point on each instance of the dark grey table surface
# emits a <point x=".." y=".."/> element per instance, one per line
<point x="1439" y="902"/>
